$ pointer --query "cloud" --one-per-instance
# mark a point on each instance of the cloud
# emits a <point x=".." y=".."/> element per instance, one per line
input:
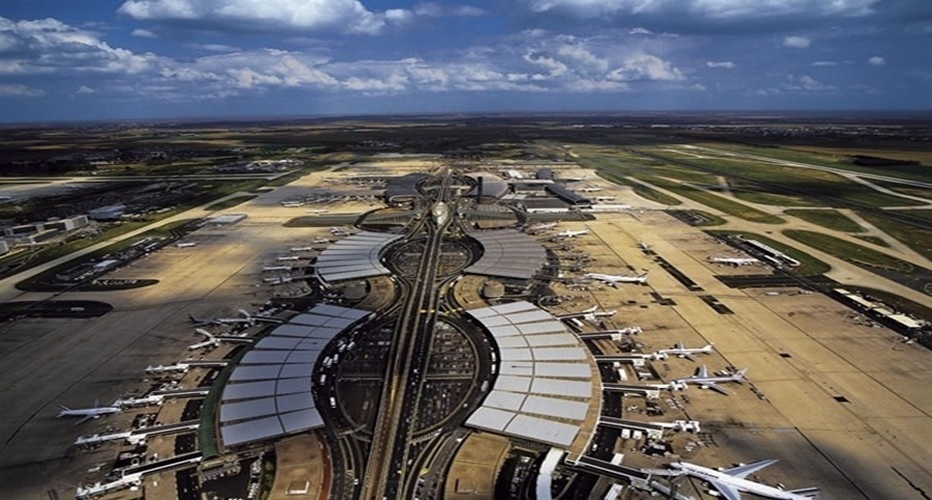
<point x="141" y="33"/>
<point x="640" y="31"/>
<point x="796" y="42"/>
<point x="15" y="90"/>
<point x="876" y="61"/>
<point x="433" y="9"/>
<point x="824" y="63"/>
<point x="538" y="62"/>
<point x="48" y="46"/>
<point x="348" y="16"/>
<point x="727" y="10"/>
<point x="720" y="64"/>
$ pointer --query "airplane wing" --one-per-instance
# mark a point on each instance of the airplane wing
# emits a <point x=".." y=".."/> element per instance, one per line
<point x="715" y="387"/>
<point x="810" y="492"/>
<point x="727" y="491"/>
<point x="83" y="419"/>
<point x="689" y="356"/>
<point x="703" y="372"/>
<point x="746" y="470"/>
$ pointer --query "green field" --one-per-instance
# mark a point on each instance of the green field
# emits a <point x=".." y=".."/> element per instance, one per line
<point x="831" y="219"/>
<point x="906" y="273"/>
<point x="710" y="200"/>
<point x="874" y="239"/>
<point x="914" y="236"/>
<point x="830" y="188"/>
<point x="646" y="192"/>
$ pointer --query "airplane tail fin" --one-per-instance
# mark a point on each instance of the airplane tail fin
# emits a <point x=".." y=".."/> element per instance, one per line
<point x="63" y="409"/>
<point x="743" y="372"/>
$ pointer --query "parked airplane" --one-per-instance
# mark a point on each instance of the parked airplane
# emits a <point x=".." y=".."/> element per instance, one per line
<point x="587" y="314"/>
<point x="569" y="234"/>
<point x="544" y="226"/>
<point x="88" y="413"/>
<point x="614" y="280"/>
<point x="703" y="380"/>
<point x="588" y="189"/>
<point x="213" y="321"/>
<point x="683" y="352"/>
<point x="730" y="483"/>
<point x="210" y="342"/>
<point x="734" y="261"/>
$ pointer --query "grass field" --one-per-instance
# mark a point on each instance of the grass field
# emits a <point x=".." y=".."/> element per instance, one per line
<point x="809" y="265"/>
<point x="874" y="239"/>
<point x="836" y="159"/>
<point x="646" y="192"/>
<point x="831" y="219"/>
<point x="710" y="200"/>
<point x="908" y="190"/>
<point x="915" y="237"/>
<point x="830" y="188"/>
<point x="892" y="268"/>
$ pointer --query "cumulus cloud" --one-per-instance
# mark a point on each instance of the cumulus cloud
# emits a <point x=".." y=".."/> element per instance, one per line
<point x="141" y="33"/>
<point x="16" y="90"/>
<point x="720" y="64"/>
<point x="796" y="42"/>
<point x="705" y="9"/>
<point x="543" y="62"/>
<point x="876" y="61"/>
<point x="433" y="9"/>
<point x="349" y="16"/>
<point x="50" y="46"/>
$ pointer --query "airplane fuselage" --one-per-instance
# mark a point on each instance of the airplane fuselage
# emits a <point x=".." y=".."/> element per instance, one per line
<point x="741" y="484"/>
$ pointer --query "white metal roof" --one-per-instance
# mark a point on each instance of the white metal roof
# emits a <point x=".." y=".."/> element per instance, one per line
<point x="542" y="366"/>
<point x="269" y="392"/>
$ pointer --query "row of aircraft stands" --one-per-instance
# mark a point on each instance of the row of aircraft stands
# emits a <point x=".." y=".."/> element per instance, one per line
<point x="354" y="257"/>
<point x="544" y="383"/>
<point x="268" y="394"/>
<point x="509" y="254"/>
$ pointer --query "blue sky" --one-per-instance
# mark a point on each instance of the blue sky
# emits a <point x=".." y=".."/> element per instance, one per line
<point x="90" y="59"/>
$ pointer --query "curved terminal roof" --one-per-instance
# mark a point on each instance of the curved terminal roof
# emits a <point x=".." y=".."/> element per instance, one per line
<point x="567" y="195"/>
<point x="268" y="395"/>
<point x="403" y="189"/>
<point x="354" y="257"/>
<point x="492" y="186"/>
<point x="544" y="376"/>
<point x="509" y="254"/>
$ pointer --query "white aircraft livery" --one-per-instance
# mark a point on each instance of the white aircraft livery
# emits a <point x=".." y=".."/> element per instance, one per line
<point x="87" y="413"/>
<point x="730" y="483"/>
<point x="703" y="380"/>
<point x="683" y="352"/>
<point x="614" y="280"/>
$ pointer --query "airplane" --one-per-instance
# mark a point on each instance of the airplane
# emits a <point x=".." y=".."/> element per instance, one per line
<point x="703" y="380"/>
<point x="588" y="189"/>
<point x="683" y="352"/>
<point x="247" y="318"/>
<point x="587" y="314"/>
<point x="604" y="198"/>
<point x="537" y="228"/>
<point x="734" y="261"/>
<point x="614" y="280"/>
<point x="210" y="342"/>
<point x="286" y="258"/>
<point x="729" y="483"/>
<point x="569" y="234"/>
<point x="88" y="413"/>
<point x="280" y="280"/>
